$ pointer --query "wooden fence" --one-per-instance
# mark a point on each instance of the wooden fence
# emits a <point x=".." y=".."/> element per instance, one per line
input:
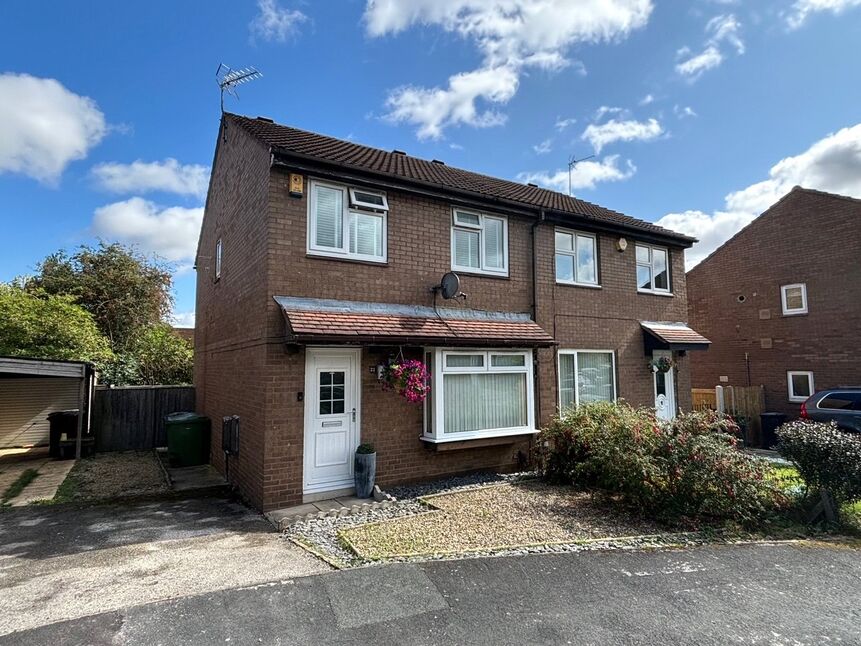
<point x="132" y="417"/>
<point x="746" y="402"/>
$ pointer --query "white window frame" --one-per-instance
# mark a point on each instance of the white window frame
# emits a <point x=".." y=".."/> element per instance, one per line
<point x="356" y="203"/>
<point x="576" y="352"/>
<point x="651" y="265"/>
<point x="218" y="253"/>
<point x="793" y="312"/>
<point x="797" y="399"/>
<point x="482" y="265"/>
<point x="573" y="254"/>
<point x="343" y="252"/>
<point x="434" y="433"/>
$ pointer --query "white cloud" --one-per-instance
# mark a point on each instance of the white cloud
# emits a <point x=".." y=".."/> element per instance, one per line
<point x="170" y="232"/>
<point x="831" y="164"/>
<point x="275" y="23"/>
<point x="433" y="110"/>
<point x="44" y="126"/>
<point x="602" y="134"/>
<point x="646" y="100"/>
<point x="585" y="175"/>
<point x="682" y="112"/>
<point x="563" y="124"/>
<point x="511" y="36"/>
<point x="801" y="9"/>
<point x="604" y="110"/>
<point x="544" y="147"/>
<point x="723" y="33"/>
<point x="182" y="319"/>
<point x="140" y="177"/>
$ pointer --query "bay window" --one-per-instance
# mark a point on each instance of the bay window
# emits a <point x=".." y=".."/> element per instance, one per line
<point x="347" y="223"/>
<point x="653" y="269"/>
<point x="586" y="376"/>
<point x="479" y="243"/>
<point x="478" y="393"/>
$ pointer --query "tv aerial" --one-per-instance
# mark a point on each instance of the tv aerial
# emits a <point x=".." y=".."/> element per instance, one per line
<point x="572" y="162"/>
<point x="228" y="79"/>
<point x="449" y="287"/>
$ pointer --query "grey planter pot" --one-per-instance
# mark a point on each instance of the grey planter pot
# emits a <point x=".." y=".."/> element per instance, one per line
<point x="364" y="473"/>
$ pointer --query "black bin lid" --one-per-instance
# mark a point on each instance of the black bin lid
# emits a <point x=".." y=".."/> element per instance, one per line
<point x="183" y="417"/>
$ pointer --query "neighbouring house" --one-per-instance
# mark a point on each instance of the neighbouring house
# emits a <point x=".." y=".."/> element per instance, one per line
<point x="317" y="264"/>
<point x="186" y="333"/>
<point x="781" y="301"/>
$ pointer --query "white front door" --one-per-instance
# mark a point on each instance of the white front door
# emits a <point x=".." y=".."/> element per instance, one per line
<point x="332" y="416"/>
<point x="665" y="389"/>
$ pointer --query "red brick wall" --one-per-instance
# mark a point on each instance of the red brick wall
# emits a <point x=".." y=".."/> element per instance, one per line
<point x="807" y="237"/>
<point x="230" y="330"/>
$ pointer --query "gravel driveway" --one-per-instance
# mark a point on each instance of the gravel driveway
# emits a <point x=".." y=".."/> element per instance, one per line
<point x="59" y="563"/>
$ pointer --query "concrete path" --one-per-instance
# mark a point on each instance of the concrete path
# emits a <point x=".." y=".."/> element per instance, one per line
<point x="44" y="486"/>
<point x="61" y="563"/>
<point x="776" y="595"/>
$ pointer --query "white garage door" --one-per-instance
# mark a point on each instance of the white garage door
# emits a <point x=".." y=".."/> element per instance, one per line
<point x="25" y="404"/>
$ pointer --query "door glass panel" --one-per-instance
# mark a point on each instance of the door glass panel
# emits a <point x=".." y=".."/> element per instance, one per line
<point x="331" y="393"/>
<point x="660" y="383"/>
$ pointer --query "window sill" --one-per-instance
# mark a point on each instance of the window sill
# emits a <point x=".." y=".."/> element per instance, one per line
<point x="468" y="437"/>
<point x="650" y="292"/>
<point x="480" y="274"/>
<point x="476" y="442"/>
<point x="804" y="313"/>
<point x="362" y="261"/>
<point x="797" y="400"/>
<point x="586" y="285"/>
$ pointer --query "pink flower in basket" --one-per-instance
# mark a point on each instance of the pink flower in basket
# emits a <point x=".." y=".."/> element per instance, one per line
<point x="409" y="378"/>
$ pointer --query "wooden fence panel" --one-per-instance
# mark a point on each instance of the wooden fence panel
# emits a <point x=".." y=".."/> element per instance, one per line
<point x="132" y="417"/>
<point x="739" y="401"/>
<point x="703" y="398"/>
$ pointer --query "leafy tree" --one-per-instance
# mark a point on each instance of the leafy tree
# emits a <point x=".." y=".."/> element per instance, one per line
<point x="124" y="290"/>
<point x="161" y="356"/>
<point x="44" y="326"/>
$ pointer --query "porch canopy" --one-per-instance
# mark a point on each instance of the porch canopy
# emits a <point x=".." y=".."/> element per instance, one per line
<point x="662" y="335"/>
<point x="313" y="320"/>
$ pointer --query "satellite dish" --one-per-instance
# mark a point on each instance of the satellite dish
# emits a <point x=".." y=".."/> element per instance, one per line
<point x="449" y="286"/>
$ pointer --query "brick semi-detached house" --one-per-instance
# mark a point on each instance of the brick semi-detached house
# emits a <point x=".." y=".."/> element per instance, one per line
<point x="316" y="265"/>
<point x="781" y="301"/>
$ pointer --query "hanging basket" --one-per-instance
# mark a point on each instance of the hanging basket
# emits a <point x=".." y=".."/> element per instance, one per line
<point x="661" y="364"/>
<point x="409" y="378"/>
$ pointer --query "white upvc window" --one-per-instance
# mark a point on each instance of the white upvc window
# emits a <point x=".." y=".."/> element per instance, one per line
<point x="218" y="259"/>
<point x="478" y="393"/>
<point x="793" y="299"/>
<point x="653" y="269"/>
<point x="347" y="223"/>
<point x="586" y="376"/>
<point x="576" y="258"/>
<point x="479" y="243"/>
<point x="799" y="384"/>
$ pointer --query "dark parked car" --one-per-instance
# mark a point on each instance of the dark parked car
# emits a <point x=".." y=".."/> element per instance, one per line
<point x="842" y="405"/>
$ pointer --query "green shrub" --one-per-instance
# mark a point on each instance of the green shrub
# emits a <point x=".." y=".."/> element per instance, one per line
<point x="826" y="457"/>
<point x="690" y="467"/>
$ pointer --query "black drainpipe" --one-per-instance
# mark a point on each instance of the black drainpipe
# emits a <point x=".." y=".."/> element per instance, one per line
<point x="541" y="218"/>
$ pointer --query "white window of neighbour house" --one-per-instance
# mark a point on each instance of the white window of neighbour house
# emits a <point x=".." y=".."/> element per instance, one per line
<point x="800" y="385"/>
<point x="347" y="223"/>
<point x="218" y="247"/>
<point x="479" y="243"/>
<point x="793" y="299"/>
<point x="576" y="258"/>
<point x="586" y="376"/>
<point x="653" y="269"/>
<point x="479" y="393"/>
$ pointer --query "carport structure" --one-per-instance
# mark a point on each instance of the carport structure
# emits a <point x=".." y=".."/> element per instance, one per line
<point x="31" y="389"/>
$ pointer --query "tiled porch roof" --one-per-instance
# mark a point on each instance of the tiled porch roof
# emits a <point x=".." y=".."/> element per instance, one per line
<point x="353" y="322"/>
<point x="677" y="336"/>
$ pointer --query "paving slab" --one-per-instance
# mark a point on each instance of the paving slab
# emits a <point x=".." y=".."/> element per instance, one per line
<point x="51" y="475"/>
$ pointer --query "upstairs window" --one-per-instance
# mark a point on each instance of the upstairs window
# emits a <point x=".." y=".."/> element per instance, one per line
<point x="653" y="269"/>
<point x="479" y="243"/>
<point x="793" y="298"/>
<point x="576" y="258"/>
<point x="218" y="259"/>
<point x="347" y="223"/>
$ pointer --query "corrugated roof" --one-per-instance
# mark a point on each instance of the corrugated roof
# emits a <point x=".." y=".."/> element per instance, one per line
<point x="287" y="140"/>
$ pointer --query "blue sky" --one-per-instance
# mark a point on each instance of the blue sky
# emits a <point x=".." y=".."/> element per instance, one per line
<point x="699" y="114"/>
